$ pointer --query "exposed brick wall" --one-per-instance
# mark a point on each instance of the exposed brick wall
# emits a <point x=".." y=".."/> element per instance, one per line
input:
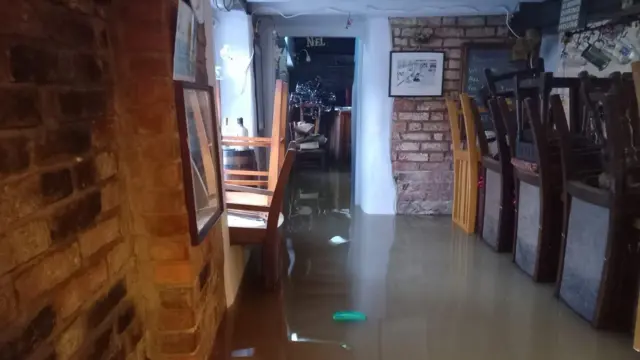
<point x="95" y="255"/>
<point x="184" y="285"/>
<point x="66" y="266"/>
<point x="421" y="142"/>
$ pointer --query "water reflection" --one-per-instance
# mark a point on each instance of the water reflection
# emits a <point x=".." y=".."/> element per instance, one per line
<point x="428" y="290"/>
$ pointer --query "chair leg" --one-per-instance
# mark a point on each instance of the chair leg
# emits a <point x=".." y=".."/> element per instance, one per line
<point x="272" y="262"/>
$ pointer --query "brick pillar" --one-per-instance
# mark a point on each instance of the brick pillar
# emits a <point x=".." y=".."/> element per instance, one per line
<point x="66" y="263"/>
<point x="182" y="285"/>
<point x="421" y="142"/>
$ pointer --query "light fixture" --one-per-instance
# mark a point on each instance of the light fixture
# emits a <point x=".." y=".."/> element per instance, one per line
<point x="308" y="58"/>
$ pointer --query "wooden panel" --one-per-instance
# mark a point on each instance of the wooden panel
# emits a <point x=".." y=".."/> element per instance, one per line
<point x="246" y="172"/>
<point x="528" y="227"/>
<point x="584" y="257"/>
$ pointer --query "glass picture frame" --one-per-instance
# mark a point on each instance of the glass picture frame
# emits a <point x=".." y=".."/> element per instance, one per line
<point x="199" y="146"/>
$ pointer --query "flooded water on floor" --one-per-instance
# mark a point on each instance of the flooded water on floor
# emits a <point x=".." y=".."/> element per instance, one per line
<point x="429" y="292"/>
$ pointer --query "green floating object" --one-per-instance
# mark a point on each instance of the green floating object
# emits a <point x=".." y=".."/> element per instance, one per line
<point x="349" y="316"/>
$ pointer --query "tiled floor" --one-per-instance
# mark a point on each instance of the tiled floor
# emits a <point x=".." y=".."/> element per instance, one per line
<point x="429" y="292"/>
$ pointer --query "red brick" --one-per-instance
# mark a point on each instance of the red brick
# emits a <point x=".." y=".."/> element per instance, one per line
<point x="405" y="166"/>
<point x="143" y="38"/>
<point x="403" y="21"/>
<point x="26" y="242"/>
<point x="449" y="21"/>
<point x="106" y="165"/>
<point x="397" y="41"/>
<point x="71" y="339"/>
<point x="8" y="305"/>
<point x="453" y="64"/>
<point x="437" y="116"/>
<point x="164" y="225"/>
<point x="175" y="248"/>
<point x="158" y="175"/>
<point x="404" y="105"/>
<point x="158" y="149"/>
<point x="407" y="146"/>
<point x="451" y="84"/>
<point x="74" y="217"/>
<point x="433" y="21"/>
<point x="435" y="146"/>
<point x="431" y="43"/>
<point x="14" y="155"/>
<point x="157" y="119"/>
<point x="118" y="257"/>
<point x="449" y="32"/>
<point x="471" y="21"/>
<point x="415" y="127"/>
<point x="175" y="319"/>
<point x="480" y="32"/>
<point x="436" y="157"/>
<point x="65" y="143"/>
<point x="99" y="236"/>
<point x="453" y="53"/>
<point x="19" y="199"/>
<point x="19" y="108"/>
<point x="176" y="298"/>
<point x="174" y="273"/>
<point x="431" y="106"/>
<point x="110" y="196"/>
<point x="416" y="136"/>
<point x="48" y="273"/>
<point x="151" y="66"/>
<point x="56" y="185"/>
<point x="452" y="75"/>
<point x="399" y="126"/>
<point x="179" y="343"/>
<point x="436" y="126"/>
<point x="453" y="42"/>
<point x="81" y="288"/>
<point x="496" y="20"/>
<point x="419" y="157"/>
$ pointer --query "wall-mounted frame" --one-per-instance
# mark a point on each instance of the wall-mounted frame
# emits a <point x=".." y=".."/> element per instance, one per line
<point x="200" y="154"/>
<point x="416" y="73"/>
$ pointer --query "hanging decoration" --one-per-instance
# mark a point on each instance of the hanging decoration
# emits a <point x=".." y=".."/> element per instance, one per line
<point x="312" y="93"/>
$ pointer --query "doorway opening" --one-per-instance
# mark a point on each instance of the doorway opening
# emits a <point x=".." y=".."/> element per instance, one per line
<point x="321" y="72"/>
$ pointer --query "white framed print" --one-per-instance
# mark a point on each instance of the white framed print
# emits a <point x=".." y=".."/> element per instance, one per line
<point x="416" y="73"/>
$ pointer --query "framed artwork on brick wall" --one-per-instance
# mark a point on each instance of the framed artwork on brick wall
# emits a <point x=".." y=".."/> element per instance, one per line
<point x="184" y="58"/>
<point x="416" y="73"/>
<point x="200" y="157"/>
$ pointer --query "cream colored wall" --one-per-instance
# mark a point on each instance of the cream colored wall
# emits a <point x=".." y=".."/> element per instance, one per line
<point x="234" y="258"/>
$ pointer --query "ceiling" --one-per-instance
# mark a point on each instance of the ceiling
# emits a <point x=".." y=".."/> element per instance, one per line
<point x="382" y="7"/>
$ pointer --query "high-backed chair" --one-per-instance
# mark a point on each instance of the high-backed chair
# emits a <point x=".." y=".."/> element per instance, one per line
<point x="256" y="218"/>
<point x="465" y="164"/>
<point x="599" y="274"/>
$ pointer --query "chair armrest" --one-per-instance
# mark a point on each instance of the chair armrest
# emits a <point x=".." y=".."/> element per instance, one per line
<point x="248" y="189"/>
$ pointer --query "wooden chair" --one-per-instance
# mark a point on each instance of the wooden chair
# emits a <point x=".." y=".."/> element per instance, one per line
<point x="275" y="144"/>
<point x="465" y="164"/>
<point x="255" y="219"/>
<point x="599" y="273"/>
<point x="497" y="202"/>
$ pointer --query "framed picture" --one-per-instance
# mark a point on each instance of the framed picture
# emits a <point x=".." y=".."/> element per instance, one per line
<point x="200" y="157"/>
<point x="184" y="55"/>
<point x="416" y="73"/>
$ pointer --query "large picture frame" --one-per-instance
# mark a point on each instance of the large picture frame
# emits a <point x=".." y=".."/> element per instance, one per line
<point x="416" y="73"/>
<point x="199" y="149"/>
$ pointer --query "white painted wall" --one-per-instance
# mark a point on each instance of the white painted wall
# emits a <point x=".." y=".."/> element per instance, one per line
<point x="234" y="256"/>
<point x="234" y="29"/>
<point x="374" y="177"/>
<point x="374" y="186"/>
